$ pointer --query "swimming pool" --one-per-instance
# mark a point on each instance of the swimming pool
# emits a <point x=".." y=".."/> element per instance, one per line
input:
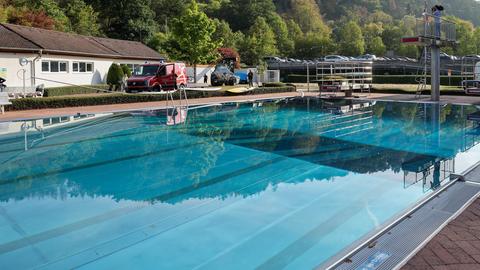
<point x="267" y="185"/>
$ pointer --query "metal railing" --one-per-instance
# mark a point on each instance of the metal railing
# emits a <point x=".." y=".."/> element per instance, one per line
<point x="433" y="27"/>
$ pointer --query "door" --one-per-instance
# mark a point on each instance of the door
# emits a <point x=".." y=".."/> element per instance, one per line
<point x="166" y="76"/>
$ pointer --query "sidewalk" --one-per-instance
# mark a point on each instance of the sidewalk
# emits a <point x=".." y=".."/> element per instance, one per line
<point x="456" y="247"/>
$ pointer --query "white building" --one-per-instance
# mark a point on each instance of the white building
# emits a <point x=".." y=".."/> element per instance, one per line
<point x="52" y="58"/>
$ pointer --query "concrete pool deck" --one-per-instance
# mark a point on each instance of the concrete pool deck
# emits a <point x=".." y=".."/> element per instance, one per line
<point x="45" y="113"/>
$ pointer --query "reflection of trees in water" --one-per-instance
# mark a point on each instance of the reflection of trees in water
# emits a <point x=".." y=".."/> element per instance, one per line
<point x="275" y="128"/>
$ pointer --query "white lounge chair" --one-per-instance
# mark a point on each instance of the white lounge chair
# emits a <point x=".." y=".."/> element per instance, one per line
<point x="4" y="101"/>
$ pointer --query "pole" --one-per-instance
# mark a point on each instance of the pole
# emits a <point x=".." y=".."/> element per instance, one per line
<point x="24" y="71"/>
<point x="308" y="77"/>
<point x="435" y="90"/>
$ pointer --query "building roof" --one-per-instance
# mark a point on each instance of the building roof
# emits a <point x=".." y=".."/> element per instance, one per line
<point x="23" y="38"/>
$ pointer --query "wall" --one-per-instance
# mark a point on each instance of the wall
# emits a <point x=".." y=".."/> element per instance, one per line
<point x="11" y="70"/>
<point x="201" y="71"/>
<point x="10" y="62"/>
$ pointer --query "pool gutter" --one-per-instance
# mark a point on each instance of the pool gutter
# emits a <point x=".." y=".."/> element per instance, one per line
<point x="351" y="258"/>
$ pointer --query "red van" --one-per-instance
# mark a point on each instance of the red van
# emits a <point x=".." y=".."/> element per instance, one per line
<point x="157" y="77"/>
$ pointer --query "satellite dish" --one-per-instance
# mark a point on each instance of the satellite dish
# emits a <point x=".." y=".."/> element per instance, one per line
<point x="23" y="61"/>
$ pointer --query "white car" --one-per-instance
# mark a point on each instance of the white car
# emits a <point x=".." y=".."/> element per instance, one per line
<point x="335" y="58"/>
<point x="367" y="57"/>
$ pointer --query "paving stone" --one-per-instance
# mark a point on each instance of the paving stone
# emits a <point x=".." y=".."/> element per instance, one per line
<point x="468" y="248"/>
<point x="456" y="247"/>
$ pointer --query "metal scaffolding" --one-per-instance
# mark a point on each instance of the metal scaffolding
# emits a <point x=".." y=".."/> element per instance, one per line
<point x="344" y="76"/>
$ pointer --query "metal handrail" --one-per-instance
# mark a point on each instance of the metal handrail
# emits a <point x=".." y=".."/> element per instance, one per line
<point x="427" y="27"/>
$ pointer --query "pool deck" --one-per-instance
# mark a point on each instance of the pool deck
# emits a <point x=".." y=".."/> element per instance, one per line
<point x="457" y="246"/>
<point x="44" y="113"/>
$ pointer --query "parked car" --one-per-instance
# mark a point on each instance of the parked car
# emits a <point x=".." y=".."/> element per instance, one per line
<point x="243" y="77"/>
<point x="472" y="56"/>
<point x="273" y="60"/>
<point x="158" y="77"/>
<point x="335" y="58"/>
<point x="367" y="57"/>
<point x="222" y="75"/>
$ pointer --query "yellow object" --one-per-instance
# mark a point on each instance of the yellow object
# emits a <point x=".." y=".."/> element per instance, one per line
<point x="239" y="90"/>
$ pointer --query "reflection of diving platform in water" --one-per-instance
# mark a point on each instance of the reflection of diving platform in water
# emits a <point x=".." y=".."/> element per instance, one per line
<point x="472" y="132"/>
<point x="430" y="171"/>
<point x="346" y="119"/>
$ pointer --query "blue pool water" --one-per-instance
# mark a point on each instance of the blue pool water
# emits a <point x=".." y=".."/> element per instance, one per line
<point x="271" y="185"/>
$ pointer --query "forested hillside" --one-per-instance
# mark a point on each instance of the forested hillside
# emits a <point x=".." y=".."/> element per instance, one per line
<point x="255" y="28"/>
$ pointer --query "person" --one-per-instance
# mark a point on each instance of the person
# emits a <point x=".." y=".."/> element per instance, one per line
<point x="437" y="15"/>
<point x="250" y="78"/>
<point x="205" y="78"/>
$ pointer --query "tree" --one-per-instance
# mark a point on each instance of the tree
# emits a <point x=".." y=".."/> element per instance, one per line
<point x="225" y="36"/>
<point x="126" y="70"/>
<point x="350" y="39"/>
<point x="192" y="37"/>
<point x="83" y="18"/>
<point x="477" y="40"/>
<point x="126" y="19"/>
<point x="241" y="14"/>
<point x="115" y="76"/>
<point x="159" y="42"/>
<point x="375" y="46"/>
<point x="165" y="10"/>
<point x="294" y="31"/>
<point x="27" y="17"/>
<point x="285" y="44"/>
<point x="3" y="11"/>
<point x="53" y="10"/>
<point x="226" y="54"/>
<point x="465" y="37"/>
<point x="260" y="42"/>
<point x="307" y="15"/>
<point x="313" y="46"/>
<point x="372" y="33"/>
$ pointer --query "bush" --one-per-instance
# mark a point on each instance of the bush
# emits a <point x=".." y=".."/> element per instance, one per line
<point x="279" y="84"/>
<point x="411" y="79"/>
<point x="115" y="76"/>
<point x="73" y="90"/>
<point x="126" y="70"/>
<point x="62" y="102"/>
<point x="384" y="79"/>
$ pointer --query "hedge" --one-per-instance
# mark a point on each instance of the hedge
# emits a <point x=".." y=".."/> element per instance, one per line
<point x="385" y="79"/>
<point x="411" y="79"/>
<point x="62" y="102"/>
<point x="73" y="90"/>
<point x="450" y="92"/>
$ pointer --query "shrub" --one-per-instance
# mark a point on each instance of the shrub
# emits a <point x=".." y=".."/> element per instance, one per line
<point x="115" y="76"/>
<point x="411" y="79"/>
<point x="126" y="70"/>
<point x="279" y="84"/>
<point x="73" y="90"/>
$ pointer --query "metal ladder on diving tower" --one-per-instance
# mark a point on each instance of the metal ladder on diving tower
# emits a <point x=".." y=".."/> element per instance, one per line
<point x="421" y="78"/>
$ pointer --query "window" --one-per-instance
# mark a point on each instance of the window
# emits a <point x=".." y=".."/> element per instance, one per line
<point x="132" y="67"/>
<point x="82" y="67"/>
<point x="54" y="66"/>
